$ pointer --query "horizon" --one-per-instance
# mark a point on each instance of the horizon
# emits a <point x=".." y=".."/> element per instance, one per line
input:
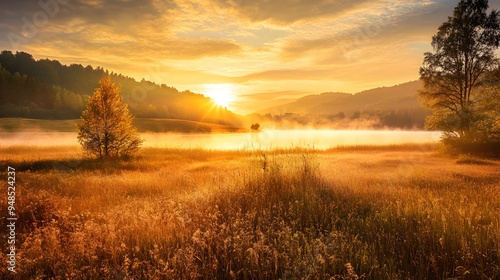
<point x="214" y="87"/>
<point x="266" y="55"/>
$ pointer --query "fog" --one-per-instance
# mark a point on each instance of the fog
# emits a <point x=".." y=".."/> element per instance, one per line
<point x="270" y="139"/>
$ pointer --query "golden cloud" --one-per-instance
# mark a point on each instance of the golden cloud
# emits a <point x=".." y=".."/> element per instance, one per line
<point x="284" y="12"/>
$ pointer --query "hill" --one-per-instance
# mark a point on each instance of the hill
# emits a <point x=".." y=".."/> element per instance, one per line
<point x="46" y="89"/>
<point x="399" y="97"/>
<point x="394" y="107"/>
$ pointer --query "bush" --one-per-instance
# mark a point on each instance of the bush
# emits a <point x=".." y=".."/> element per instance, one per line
<point x="255" y="126"/>
<point x="472" y="147"/>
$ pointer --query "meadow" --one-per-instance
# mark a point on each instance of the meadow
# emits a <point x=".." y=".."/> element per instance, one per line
<point x="12" y="125"/>
<point x="364" y="212"/>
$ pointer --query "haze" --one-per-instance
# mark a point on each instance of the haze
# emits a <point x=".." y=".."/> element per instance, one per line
<point x="263" y="54"/>
<point x="266" y="140"/>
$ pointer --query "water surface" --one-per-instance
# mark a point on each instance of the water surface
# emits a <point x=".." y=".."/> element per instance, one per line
<point x="270" y="139"/>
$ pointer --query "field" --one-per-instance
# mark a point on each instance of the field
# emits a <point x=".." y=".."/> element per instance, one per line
<point x="142" y="124"/>
<point x="388" y="212"/>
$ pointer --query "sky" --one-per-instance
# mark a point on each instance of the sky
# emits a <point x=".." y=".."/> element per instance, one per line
<point x="254" y="53"/>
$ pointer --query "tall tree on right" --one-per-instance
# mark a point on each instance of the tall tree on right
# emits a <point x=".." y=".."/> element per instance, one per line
<point x="455" y="74"/>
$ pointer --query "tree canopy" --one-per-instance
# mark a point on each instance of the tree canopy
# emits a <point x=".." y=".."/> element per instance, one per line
<point x="457" y="73"/>
<point x="106" y="128"/>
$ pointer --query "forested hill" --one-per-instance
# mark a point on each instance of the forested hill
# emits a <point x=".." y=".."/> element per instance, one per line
<point x="46" y="89"/>
<point x="386" y="107"/>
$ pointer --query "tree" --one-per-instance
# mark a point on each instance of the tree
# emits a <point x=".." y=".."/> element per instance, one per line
<point x="454" y="74"/>
<point x="106" y="128"/>
<point x="255" y="126"/>
<point x="488" y="124"/>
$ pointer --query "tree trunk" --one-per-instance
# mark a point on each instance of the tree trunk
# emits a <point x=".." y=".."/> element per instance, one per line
<point x="106" y="140"/>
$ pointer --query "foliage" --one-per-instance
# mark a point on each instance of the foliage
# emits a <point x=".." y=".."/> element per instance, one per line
<point x="106" y="128"/>
<point x="456" y="73"/>
<point x="488" y="122"/>
<point x="379" y="119"/>
<point x="47" y="89"/>
<point x="484" y="137"/>
<point x="255" y="126"/>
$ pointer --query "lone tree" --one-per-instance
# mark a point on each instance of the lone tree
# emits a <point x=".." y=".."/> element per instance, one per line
<point x="454" y="75"/>
<point x="106" y="128"/>
<point x="255" y="126"/>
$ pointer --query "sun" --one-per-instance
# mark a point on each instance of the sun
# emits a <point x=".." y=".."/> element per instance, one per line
<point x="221" y="94"/>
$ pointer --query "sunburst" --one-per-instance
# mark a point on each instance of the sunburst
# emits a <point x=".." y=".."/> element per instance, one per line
<point x="221" y="94"/>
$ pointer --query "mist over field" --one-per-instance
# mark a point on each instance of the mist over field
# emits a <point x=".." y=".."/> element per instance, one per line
<point x="267" y="139"/>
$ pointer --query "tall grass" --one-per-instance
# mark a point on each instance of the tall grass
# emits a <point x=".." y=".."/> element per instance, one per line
<point x="296" y="214"/>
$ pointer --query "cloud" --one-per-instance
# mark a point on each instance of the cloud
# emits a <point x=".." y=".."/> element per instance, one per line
<point x="192" y="78"/>
<point x="287" y="12"/>
<point x="274" y="50"/>
<point x="248" y="103"/>
<point x="118" y="14"/>
<point x="118" y="28"/>
<point x="287" y="74"/>
<point x="385" y="28"/>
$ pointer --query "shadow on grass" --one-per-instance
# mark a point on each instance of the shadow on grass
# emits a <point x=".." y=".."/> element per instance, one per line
<point x="474" y="161"/>
<point x="485" y="150"/>
<point x="69" y="165"/>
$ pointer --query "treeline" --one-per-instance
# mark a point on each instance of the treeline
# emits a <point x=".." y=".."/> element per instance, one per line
<point x="387" y="119"/>
<point x="47" y="89"/>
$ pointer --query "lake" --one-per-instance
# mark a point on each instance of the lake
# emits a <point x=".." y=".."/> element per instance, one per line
<point x="269" y="139"/>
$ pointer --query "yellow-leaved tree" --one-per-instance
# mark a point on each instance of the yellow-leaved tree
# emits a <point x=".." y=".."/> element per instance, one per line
<point x="106" y="128"/>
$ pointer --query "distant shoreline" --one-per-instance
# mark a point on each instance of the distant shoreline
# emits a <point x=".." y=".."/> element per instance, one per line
<point x="158" y="125"/>
<point x="143" y="125"/>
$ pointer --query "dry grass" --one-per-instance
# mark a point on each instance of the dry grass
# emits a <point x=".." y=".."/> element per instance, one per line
<point x="403" y="212"/>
